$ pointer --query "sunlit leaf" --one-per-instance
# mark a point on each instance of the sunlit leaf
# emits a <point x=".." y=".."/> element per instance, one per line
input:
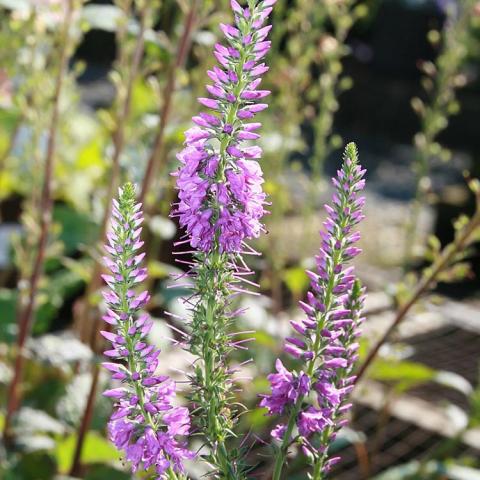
<point x="296" y="280"/>
<point x="162" y="227"/>
<point x="96" y="449"/>
<point x="404" y="374"/>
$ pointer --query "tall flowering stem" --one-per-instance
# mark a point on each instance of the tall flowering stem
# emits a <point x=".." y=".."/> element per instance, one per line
<point x="314" y="400"/>
<point x="145" y="424"/>
<point x="441" y="81"/>
<point x="221" y="204"/>
<point x="27" y="307"/>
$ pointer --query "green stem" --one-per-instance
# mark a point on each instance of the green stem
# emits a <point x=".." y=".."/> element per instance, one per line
<point x="281" y="456"/>
<point x="213" y="354"/>
<point x="317" y="349"/>
<point x="211" y="320"/>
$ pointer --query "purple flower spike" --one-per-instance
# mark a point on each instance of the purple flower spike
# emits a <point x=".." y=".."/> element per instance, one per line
<point x="227" y="220"/>
<point x="327" y="344"/>
<point x="220" y="205"/>
<point x="145" y="424"/>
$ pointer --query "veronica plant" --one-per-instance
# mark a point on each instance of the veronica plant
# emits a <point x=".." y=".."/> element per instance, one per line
<point x="314" y="399"/>
<point x="441" y="81"/>
<point x="221" y="204"/>
<point x="146" y="424"/>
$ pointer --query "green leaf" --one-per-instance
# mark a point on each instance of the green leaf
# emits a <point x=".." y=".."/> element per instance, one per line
<point x="162" y="227"/>
<point x="103" y="472"/>
<point x="405" y="374"/>
<point x="33" y="466"/>
<point x="161" y="270"/>
<point x="454" y="381"/>
<point x="77" y="228"/>
<point x="143" y="98"/>
<point x="459" y="472"/>
<point x="263" y="339"/>
<point x="256" y="419"/>
<point x="432" y="470"/>
<point x="8" y="307"/>
<point x="63" y="285"/>
<point x="91" y="156"/>
<point x="296" y="280"/>
<point x="96" y="449"/>
<point x="15" y="4"/>
<point x="346" y="437"/>
<point x="401" y="472"/>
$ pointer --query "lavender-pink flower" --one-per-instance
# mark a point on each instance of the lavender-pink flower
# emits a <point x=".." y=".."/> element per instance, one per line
<point x="326" y="342"/>
<point x="145" y="424"/>
<point x="221" y="201"/>
<point x="221" y="205"/>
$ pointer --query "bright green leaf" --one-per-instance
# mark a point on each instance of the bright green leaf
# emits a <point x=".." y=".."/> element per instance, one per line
<point x="96" y="449"/>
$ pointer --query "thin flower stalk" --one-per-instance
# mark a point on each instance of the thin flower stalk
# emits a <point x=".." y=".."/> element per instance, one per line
<point x="326" y="344"/>
<point x="145" y="425"/>
<point x="27" y="310"/>
<point x="220" y="205"/>
<point x="128" y="68"/>
<point x="157" y="155"/>
<point x="441" y="81"/>
<point x="332" y="51"/>
<point x="87" y="321"/>
<point x="467" y="232"/>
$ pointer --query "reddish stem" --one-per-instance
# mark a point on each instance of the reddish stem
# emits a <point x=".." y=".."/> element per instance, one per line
<point x="157" y="156"/>
<point x="46" y="206"/>
<point x="422" y="286"/>
<point x="119" y="142"/>
<point x="75" y="469"/>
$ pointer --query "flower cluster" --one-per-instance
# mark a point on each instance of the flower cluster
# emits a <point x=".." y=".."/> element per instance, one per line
<point x="145" y="423"/>
<point x="220" y="205"/>
<point x="221" y="201"/>
<point x="326" y="341"/>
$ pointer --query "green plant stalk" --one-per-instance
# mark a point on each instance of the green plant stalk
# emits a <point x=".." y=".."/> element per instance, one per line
<point x="27" y="311"/>
<point x="330" y="76"/>
<point x="428" y="279"/>
<point x="209" y="342"/>
<point x="447" y="68"/>
<point x="210" y="322"/>
<point x="318" y="347"/>
<point x="128" y="202"/>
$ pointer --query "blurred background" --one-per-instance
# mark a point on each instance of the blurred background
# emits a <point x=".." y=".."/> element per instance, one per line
<point x="96" y="93"/>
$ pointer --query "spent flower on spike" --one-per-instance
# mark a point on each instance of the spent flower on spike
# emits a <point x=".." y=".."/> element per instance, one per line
<point x="326" y="342"/>
<point x="221" y="204"/>
<point x="145" y="424"/>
